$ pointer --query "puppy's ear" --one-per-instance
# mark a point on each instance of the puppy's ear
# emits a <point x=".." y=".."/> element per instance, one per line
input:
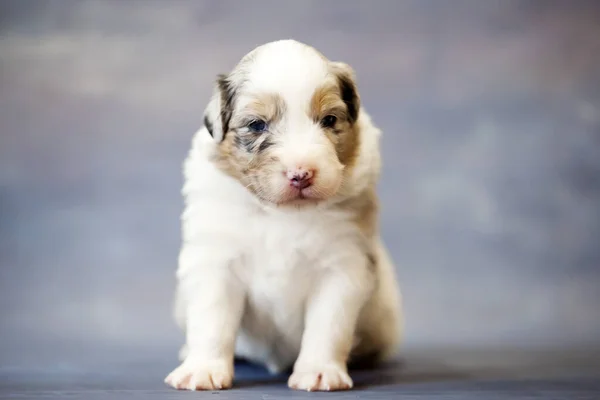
<point x="220" y="108"/>
<point x="346" y="79"/>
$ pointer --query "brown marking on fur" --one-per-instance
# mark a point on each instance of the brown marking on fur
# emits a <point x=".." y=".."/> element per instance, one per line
<point x="347" y="146"/>
<point x="234" y="161"/>
<point x="364" y="209"/>
<point x="230" y="159"/>
<point x="228" y="94"/>
<point x="268" y="106"/>
<point x="349" y="95"/>
<point x="227" y="158"/>
<point x="327" y="100"/>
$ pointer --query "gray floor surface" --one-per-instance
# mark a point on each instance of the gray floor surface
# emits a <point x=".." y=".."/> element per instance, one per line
<point x="502" y="374"/>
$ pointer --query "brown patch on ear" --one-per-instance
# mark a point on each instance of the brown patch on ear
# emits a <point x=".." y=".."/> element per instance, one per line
<point x="348" y="90"/>
<point x="208" y="124"/>
<point x="228" y="94"/>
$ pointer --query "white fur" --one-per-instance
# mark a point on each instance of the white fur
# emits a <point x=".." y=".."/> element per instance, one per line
<point x="281" y="286"/>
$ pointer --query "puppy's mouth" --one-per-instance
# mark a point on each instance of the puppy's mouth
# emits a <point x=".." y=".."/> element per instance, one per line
<point x="289" y="195"/>
<point x="296" y="196"/>
<point x="299" y="194"/>
<point x="306" y="198"/>
<point x="302" y="194"/>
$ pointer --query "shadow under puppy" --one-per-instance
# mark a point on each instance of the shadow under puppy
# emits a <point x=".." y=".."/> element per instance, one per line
<point x="282" y="262"/>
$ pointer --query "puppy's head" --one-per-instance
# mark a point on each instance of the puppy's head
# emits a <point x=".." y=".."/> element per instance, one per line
<point x="285" y="123"/>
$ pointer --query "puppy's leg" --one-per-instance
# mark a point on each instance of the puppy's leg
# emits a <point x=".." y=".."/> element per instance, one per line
<point x="330" y="321"/>
<point x="214" y="308"/>
<point x="381" y="323"/>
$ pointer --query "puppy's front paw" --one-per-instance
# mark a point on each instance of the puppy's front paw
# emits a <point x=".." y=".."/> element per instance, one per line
<point x="320" y="378"/>
<point x="201" y="375"/>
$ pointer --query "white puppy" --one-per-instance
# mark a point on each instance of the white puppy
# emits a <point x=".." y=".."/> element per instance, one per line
<point x="282" y="263"/>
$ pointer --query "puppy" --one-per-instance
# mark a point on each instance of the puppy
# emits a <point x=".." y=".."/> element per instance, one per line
<point x="282" y="263"/>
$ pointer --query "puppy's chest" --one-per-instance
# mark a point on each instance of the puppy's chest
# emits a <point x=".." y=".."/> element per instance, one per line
<point x="280" y="265"/>
<point x="282" y="259"/>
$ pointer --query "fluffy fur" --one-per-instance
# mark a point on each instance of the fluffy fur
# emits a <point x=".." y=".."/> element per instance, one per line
<point x="282" y="263"/>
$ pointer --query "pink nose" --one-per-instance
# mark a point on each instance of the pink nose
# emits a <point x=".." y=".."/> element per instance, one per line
<point x="300" y="178"/>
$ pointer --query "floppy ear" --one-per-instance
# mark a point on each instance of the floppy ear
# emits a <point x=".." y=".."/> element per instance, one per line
<point x="346" y="79"/>
<point x="220" y="108"/>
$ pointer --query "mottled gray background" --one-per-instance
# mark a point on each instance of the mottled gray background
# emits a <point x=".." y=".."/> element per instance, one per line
<point x="491" y="186"/>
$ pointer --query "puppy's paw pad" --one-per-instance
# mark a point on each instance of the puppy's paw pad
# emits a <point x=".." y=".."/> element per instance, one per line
<point x="200" y="376"/>
<point x="329" y="378"/>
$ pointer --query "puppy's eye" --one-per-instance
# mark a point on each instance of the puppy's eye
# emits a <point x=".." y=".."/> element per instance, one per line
<point x="257" y="126"/>
<point x="329" y="121"/>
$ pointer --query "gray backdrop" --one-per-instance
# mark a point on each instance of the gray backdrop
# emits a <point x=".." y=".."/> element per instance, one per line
<point x="490" y="192"/>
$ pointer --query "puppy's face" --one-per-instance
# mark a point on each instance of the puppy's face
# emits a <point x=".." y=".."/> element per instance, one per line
<point x="285" y="123"/>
